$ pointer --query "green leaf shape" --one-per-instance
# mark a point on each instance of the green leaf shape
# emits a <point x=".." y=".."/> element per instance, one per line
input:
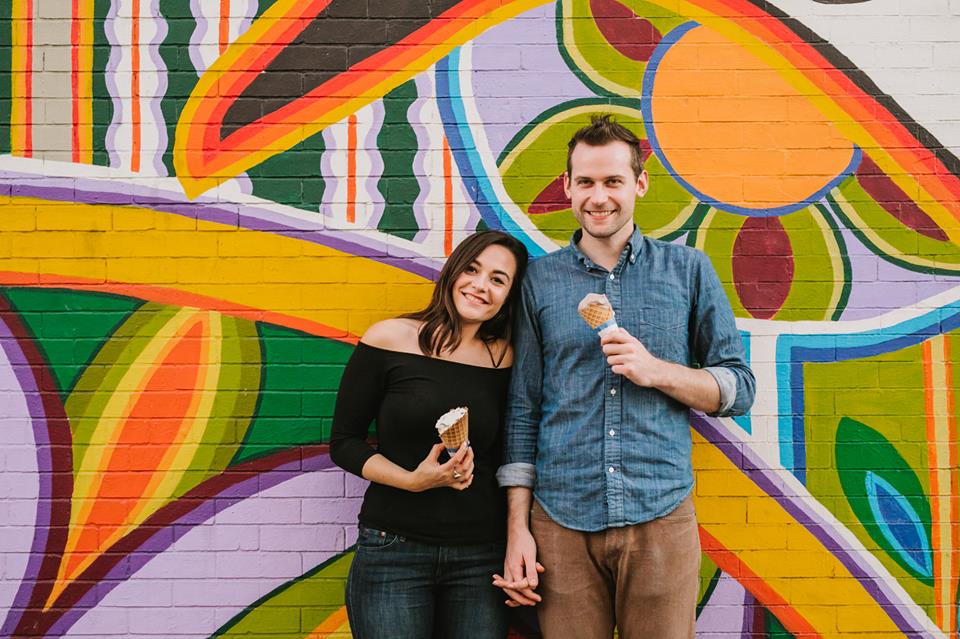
<point x="537" y="155"/>
<point x="593" y="59"/>
<point x="296" y="608"/>
<point x="821" y="276"/>
<point x="232" y="407"/>
<point x="69" y="326"/>
<point x="301" y="375"/>
<point x="861" y="450"/>
<point x="887" y="236"/>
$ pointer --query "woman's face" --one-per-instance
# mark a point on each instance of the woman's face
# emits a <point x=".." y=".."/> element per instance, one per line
<point x="480" y="291"/>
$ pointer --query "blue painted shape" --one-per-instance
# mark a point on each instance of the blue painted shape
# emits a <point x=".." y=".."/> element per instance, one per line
<point x="743" y="421"/>
<point x="456" y="126"/>
<point x="899" y="523"/>
<point x="646" y="107"/>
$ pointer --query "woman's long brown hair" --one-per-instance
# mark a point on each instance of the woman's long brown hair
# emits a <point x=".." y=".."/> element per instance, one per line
<point x="442" y="327"/>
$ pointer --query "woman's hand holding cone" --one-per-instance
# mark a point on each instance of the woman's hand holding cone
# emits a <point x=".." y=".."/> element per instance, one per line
<point x="457" y="473"/>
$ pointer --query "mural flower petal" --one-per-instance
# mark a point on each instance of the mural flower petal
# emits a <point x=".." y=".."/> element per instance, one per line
<point x="180" y="380"/>
<point x="791" y="267"/>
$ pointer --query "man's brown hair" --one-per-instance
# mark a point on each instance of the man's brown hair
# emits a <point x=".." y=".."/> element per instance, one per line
<point x="603" y="129"/>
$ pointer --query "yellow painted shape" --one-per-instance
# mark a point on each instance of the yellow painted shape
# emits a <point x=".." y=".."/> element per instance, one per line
<point x="20" y="69"/>
<point x="784" y="149"/>
<point x="779" y="550"/>
<point x="298" y="283"/>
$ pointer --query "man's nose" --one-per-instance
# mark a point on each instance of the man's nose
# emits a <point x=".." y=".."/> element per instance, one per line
<point x="599" y="194"/>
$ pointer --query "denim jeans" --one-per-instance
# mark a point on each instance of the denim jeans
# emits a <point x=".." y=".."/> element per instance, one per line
<point x="403" y="588"/>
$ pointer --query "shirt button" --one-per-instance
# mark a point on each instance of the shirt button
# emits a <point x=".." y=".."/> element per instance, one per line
<point x="612" y="433"/>
<point x="613" y="391"/>
<point x="633" y="258"/>
<point x="611" y="469"/>
<point x="612" y="276"/>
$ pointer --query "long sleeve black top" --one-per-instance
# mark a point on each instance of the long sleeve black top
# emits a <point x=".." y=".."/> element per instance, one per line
<point x="406" y="393"/>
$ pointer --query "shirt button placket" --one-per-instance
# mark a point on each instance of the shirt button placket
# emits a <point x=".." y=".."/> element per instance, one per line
<point x="613" y="400"/>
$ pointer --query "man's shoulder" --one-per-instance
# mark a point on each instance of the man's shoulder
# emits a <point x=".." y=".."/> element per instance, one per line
<point x="674" y="252"/>
<point x="549" y="261"/>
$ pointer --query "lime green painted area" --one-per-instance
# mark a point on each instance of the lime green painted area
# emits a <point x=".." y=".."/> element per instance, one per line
<point x="295" y="609"/>
<point x="885" y="392"/>
<point x="301" y="375"/>
<point x="820" y="268"/>
<point x="709" y="574"/>
<point x="69" y="326"/>
<point x="593" y="58"/>
<point x="926" y="254"/>
<point x="537" y="156"/>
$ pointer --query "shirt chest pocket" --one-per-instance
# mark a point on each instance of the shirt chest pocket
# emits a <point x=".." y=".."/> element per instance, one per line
<point x="662" y="329"/>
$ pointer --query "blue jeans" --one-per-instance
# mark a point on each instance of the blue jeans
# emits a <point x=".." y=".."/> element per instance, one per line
<point x="403" y="588"/>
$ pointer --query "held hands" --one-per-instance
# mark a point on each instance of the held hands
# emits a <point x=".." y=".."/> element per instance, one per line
<point x="456" y="473"/>
<point x="627" y="356"/>
<point x="520" y="570"/>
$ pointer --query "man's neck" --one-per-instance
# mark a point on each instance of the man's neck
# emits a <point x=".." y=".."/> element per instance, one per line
<point x="605" y="252"/>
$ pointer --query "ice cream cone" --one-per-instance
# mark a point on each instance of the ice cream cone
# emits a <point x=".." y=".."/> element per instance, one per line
<point x="453" y="427"/>
<point x="596" y="311"/>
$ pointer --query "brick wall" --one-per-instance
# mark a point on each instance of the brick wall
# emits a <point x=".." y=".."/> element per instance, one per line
<point x="204" y="204"/>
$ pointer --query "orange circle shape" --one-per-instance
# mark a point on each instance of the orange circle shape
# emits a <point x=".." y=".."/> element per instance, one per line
<point x="736" y="130"/>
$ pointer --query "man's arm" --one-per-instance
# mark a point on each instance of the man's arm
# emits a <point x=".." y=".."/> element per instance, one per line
<point x="518" y="473"/>
<point x="724" y="386"/>
<point x="520" y="565"/>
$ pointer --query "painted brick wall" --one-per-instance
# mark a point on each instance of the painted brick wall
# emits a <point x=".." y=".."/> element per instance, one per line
<point x="203" y="204"/>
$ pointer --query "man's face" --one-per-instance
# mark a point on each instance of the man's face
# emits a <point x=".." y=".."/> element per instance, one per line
<point x="603" y="189"/>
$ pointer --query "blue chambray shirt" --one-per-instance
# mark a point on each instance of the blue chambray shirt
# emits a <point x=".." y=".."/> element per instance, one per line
<point x="597" y="450"/>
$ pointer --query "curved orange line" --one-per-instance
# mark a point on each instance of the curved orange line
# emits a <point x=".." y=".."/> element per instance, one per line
<point x="175" y="297"/>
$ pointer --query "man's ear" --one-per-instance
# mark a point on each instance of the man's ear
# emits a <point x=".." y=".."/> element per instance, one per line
<point x="566" y="185"/>
<point x="643" y="183"/>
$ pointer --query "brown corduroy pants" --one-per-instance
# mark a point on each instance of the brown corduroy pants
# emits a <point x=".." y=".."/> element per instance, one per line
<point x="641" y="578"/>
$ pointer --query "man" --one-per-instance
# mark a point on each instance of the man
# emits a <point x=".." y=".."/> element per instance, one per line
<point x="599" y="433"/>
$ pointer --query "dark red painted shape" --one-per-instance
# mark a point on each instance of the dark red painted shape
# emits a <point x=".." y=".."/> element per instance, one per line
<point x="631" y="35"/>
<point x="762" y="266"/>
<point x="550" y="199"/>
<point x="894" y="201"/>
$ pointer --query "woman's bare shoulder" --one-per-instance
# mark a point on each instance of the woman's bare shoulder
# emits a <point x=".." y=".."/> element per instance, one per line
<point x="394" y="334"/>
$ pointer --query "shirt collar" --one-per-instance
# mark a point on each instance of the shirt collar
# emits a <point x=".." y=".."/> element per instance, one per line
<point x="632" y="249"/>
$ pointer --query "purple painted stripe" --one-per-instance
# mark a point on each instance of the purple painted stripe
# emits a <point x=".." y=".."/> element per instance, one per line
<point x="169" y="534"/>
<point x="92" y="191"/>
<point x="772" y="483"/>
<point x="24" y="374"/>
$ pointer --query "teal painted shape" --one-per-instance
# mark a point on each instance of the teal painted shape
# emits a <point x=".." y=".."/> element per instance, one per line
<point x="899" y="523"/>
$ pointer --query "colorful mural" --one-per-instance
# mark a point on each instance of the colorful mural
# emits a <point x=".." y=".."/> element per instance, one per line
<point x="204" y="204"/>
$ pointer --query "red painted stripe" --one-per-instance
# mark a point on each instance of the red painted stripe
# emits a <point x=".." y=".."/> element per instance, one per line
<point x="224" y="25"/>
<point x="135" y="87"/>
<point x="352" y="169"/>
<point x="28" y="84"/>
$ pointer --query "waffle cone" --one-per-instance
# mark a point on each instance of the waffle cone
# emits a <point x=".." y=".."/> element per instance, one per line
<point x="596" y="314"/>
<point x="454" y="436"/>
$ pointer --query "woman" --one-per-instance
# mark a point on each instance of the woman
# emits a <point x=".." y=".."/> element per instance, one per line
<point x="432" y="527"/>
